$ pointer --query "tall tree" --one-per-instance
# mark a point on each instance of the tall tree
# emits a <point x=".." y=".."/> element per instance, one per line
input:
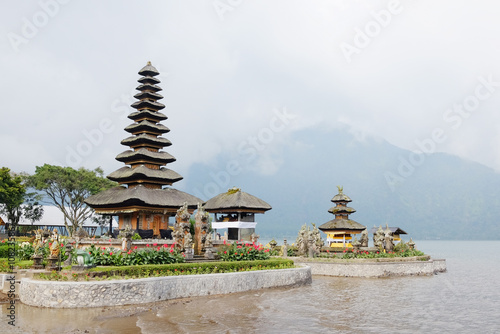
<point x="67" y="188"/>
<point x="15" y="202"/>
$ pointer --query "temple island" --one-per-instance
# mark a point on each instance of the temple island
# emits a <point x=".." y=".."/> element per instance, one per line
<point x="173" y="243"/>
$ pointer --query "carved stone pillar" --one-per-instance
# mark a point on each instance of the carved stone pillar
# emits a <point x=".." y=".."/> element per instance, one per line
<point x="200" y="229"/>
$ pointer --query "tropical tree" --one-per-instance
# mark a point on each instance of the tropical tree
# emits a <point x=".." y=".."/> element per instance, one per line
<point x="15" y="202"/>
<point x="67" y="188"/>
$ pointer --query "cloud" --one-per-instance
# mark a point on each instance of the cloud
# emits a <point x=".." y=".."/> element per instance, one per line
<point x="225" y="77"/>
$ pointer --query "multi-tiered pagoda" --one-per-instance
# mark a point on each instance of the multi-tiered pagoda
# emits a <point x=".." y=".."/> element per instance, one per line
<point x="339" y="231"/>
<point x="143" y="201"/>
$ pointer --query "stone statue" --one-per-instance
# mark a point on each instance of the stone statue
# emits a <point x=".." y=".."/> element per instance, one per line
<point x="254" y="238"/>
<point x="37" y="243"/>
<point x="54" y="247"/>
<point x="356" y="244"/>
<point x="208" y="241"/>
<point x="273" y="244"/>
<point x="318" y="243"/>
<point x="302" y="240"/>
<point x="182" y="225"/>
<point x="68" y="251"/>
<point x="310" y="246"/>
<point x="364" y="238"/>
<point x="188" y="241"/>
<point x="81" y="234"/>
<point x="411" y="244"/>
<point x="284" y="249"/>
<point x="388" y="242"/>
<point x="378" y="238"/>
<point x="126" y="235"/>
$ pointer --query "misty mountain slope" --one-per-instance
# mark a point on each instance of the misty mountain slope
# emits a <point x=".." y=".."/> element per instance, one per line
<point x="443" y="197"/>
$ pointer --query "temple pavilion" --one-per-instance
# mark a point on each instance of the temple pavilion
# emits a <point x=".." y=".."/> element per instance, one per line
<point x="144" y="199"/>
<point x="235" y="210"/>
<point x="340" y="230"/>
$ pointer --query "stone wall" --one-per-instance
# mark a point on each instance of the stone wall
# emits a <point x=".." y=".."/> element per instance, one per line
<point x="146" y="290"/>
<point x="374" y="269"/>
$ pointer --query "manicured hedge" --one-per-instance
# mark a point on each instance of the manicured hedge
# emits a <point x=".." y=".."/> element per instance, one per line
<point x="192" y="268"/>
<point x="4" y="250"/>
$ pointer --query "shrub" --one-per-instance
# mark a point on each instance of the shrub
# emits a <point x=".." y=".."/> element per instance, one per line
<point x="149" y="255"/>
<point x="4" y="250"/>
<point x="25" y="251"/>
<point x="136" y="236"/>
<point x="246" y="252"/>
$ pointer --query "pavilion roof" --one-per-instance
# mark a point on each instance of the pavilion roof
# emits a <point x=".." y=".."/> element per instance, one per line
<point x="237" y="200"/>
<point x="342" y="224"/>
<point x="142" y="196"/>
<point x="393" y="229"/>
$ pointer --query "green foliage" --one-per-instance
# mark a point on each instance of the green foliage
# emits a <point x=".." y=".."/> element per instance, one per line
<point x="246" y="252"/>
<point x="4" y="250"/>
<point x="67" y="188"/>
<point x="25" y="251"/>
<point x="4" y="265"/>
<point x="354" y="254"/>
<point x="120" y="272"/>
<point x="15" y="202"/>
<point x="136" y="236"/>
<point x="149" y="255"/>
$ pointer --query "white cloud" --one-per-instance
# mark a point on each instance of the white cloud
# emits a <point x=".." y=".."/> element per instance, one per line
<point x="225" y="78"/>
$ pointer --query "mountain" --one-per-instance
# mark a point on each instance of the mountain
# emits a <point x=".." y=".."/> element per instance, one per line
<point x="430" y="196"/>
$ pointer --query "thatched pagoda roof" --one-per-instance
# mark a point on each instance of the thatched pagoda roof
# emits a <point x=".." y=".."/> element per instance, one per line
<point x="147" y="126"/>
<point x="140" y="196"/>
<point x="149" y="80"/>
<point x="142" y="173"/>
<point x="150" y="87"/>
<point x="145" y="139"/>
<point x="146" y="114"/>
<point x="341" y="197"/>
<point x="149" y="70"/>
<point x="235" y="200"/>
<point x="341" y="224"/>
<point x="341" y="209"/>
<point x="148" y="104"/>
<point x="145" y="155"/>
<point x="148" y="95"/>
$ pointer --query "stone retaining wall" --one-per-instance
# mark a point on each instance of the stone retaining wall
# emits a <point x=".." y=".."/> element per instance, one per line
<point x="375" y="269"/>
<point x="146" y="290"/>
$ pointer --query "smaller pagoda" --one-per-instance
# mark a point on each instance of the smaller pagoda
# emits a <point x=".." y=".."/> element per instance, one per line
<point x="235" y="210"/>
<point x="340" y="230"/>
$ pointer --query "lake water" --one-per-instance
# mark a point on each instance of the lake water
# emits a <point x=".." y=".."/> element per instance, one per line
<point x="466" y="299"/>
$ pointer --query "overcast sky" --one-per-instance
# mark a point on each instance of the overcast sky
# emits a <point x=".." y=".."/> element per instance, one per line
<point x="408" y="72"/>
